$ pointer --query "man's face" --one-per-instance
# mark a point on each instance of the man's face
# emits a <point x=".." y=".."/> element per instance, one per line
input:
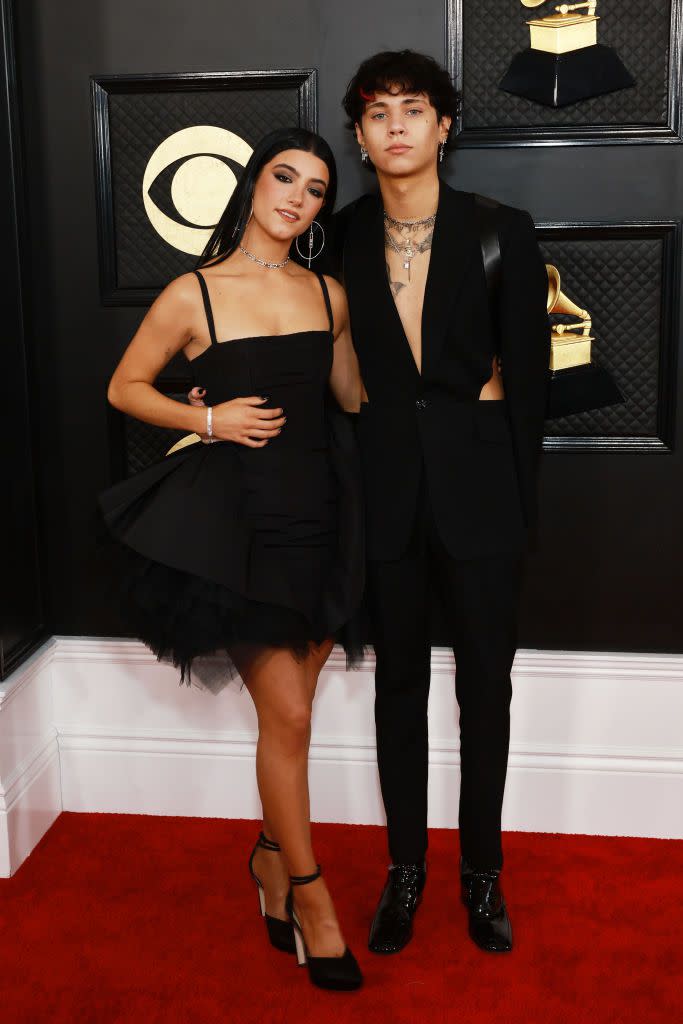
<point x="401" y="132"/>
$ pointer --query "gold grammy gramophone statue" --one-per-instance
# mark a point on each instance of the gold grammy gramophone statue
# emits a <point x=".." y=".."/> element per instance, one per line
<point x="576" y="382"/>
<point x="570" y="344"/>
<point x="565" y="62"/>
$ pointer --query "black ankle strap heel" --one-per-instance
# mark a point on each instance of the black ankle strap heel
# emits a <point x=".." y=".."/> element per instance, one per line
<point x="331" y="972"/>
<point x="280" y="933"/>
<point x="305" y="879"/>
<point x="267" y="844"/>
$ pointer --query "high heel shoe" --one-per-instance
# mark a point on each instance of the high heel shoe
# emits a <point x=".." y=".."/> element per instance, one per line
<point x="280" y="933"/>
<point x="332" y="972"/>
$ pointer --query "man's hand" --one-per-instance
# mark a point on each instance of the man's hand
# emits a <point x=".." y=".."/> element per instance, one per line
<point x="196" y="396"/>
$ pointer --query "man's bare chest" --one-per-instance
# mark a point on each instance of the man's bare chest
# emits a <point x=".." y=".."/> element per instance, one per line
<point x="408" y="295"/>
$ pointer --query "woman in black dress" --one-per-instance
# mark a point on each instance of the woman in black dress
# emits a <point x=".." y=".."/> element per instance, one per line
<point x="248" y="547"/>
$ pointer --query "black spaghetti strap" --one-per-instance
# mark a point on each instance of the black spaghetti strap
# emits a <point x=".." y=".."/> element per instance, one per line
<point x="207" y="307"/>
<point x="326" y="296"/>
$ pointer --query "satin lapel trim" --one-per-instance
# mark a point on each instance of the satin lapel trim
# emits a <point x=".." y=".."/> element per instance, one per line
<point x="454" y="246"/>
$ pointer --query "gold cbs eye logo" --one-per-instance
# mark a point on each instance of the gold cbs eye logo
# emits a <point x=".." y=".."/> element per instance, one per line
<point x="201" y="184"/>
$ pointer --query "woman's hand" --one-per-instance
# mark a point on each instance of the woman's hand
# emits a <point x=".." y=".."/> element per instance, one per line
<point x="241" y="420"/>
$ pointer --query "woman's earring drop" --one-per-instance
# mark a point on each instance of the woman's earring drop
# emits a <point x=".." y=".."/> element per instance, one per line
<point x="236" y="227"/>
<point x="363" y="155"/>
<point x="310" y="255"/>
<point x="442" y="146"/>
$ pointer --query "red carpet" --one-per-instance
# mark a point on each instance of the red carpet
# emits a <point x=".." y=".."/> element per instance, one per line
<point x="128" y="918"/>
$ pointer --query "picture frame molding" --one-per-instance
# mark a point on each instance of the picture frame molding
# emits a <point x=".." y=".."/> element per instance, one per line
<point x="671" y="234"/>
<point x="305" y="80"/>
<point x="565" y="135"/>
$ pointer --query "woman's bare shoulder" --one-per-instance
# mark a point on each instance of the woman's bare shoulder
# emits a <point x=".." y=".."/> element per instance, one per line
<point x="335" y="289"/>
<point x="177" y="304"/>
<point x="340" y="306"/>
<point x="182" y="290"/>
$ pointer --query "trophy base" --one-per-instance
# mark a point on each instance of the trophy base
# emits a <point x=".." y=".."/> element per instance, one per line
<point x="558" y="79"/>
<point x="579" y="389"/>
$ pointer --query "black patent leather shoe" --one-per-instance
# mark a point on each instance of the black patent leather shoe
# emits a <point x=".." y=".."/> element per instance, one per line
<point x="489" y="923"/>
<point x="392" y="925"/>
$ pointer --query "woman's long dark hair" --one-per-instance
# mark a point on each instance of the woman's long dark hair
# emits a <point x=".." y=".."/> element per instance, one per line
<point x="228" y="232"/>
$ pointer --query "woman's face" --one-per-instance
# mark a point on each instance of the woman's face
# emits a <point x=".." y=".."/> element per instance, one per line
<point x="289" y="193"/>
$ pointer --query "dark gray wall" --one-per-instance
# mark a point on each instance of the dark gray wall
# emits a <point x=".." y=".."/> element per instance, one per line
<point x="607" y="575"/>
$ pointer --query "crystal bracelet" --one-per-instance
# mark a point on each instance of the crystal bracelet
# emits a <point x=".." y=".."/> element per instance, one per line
<point x="209" y="423"/>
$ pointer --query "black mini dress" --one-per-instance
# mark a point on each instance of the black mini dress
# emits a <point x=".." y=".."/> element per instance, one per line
<point x="230" y="545"/>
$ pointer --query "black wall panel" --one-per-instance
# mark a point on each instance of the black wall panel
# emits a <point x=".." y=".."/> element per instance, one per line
<point x="21" y="606"/>
<point x="607" y="573"/>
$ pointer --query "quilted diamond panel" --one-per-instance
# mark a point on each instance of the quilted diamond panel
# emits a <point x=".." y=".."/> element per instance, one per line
<point x="145" y="444"/>
<point x="495" y="30"/>
<point x="619" y="281"/>
<point x="138" y="123"/>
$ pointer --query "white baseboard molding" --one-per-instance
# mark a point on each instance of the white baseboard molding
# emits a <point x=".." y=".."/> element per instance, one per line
<point x="596" y="745"/>
<point x="29" y="817"/>
<point x="594" y="792"/>
<point x="30" y="781"/>
<point x="584" y="756"/>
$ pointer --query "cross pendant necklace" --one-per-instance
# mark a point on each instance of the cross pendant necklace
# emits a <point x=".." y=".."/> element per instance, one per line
<point x="408" y="255"/>
<point x="406" y="250"/>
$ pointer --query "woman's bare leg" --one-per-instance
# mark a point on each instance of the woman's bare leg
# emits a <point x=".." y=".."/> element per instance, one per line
<point x="271" y="869"/>
<point x="282" y="689"/>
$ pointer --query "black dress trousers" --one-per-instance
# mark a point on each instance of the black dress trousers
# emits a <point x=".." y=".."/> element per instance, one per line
<point x="481" y="596"/>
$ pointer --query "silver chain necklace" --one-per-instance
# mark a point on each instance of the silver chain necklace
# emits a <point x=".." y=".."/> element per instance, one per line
<point x="408" y="249"/>
<point x="263" y="263"/>
<point x="410" y="225"/>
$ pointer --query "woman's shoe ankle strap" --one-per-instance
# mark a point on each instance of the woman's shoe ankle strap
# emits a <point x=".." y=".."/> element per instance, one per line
<point x="305" y="879"/>
<point x="268" y="844"/>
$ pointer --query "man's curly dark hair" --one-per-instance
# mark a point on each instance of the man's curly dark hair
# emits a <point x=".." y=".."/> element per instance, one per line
<point x="404" y="71"/>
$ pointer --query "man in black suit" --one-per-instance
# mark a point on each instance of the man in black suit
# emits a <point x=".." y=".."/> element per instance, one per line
<point x="449" y="436"/>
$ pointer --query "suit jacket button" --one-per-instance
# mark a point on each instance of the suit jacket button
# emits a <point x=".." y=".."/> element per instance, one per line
<point x="421" y="403"/>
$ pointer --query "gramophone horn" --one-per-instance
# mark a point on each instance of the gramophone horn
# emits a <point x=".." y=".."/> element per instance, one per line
<point x="553" y="285"/>
<point x="557" y="300"/>
<point x="533" y="3"/>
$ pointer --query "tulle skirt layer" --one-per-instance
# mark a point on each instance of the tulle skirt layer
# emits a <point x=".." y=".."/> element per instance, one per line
<point x="225" y="553"/>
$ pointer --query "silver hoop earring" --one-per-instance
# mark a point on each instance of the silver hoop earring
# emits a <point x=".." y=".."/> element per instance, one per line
<point x="237" y="225"/>
<point x="310" y="255"/>
<point x="363" y="155"/>
<point x="442" y="146"/>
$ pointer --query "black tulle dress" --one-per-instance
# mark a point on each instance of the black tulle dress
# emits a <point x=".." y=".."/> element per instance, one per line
<point x="230" y="545"/>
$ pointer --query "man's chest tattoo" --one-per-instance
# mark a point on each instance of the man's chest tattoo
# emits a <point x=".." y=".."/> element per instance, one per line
<point x="394" y="285"/>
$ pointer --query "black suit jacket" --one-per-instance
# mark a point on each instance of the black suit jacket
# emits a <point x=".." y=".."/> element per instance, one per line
<point x="479" y="457"/>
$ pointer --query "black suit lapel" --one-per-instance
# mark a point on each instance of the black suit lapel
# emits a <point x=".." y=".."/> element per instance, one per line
<point x="454" y="247"/>
<point x="365" y="273"/>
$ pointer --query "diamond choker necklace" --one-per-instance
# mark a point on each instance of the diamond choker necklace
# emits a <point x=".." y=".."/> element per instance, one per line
<point x="263" y="263"/>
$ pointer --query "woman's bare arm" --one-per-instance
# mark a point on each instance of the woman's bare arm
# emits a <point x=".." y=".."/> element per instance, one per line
<point x="345" y="379"/>
<point x="165" y="330"/>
